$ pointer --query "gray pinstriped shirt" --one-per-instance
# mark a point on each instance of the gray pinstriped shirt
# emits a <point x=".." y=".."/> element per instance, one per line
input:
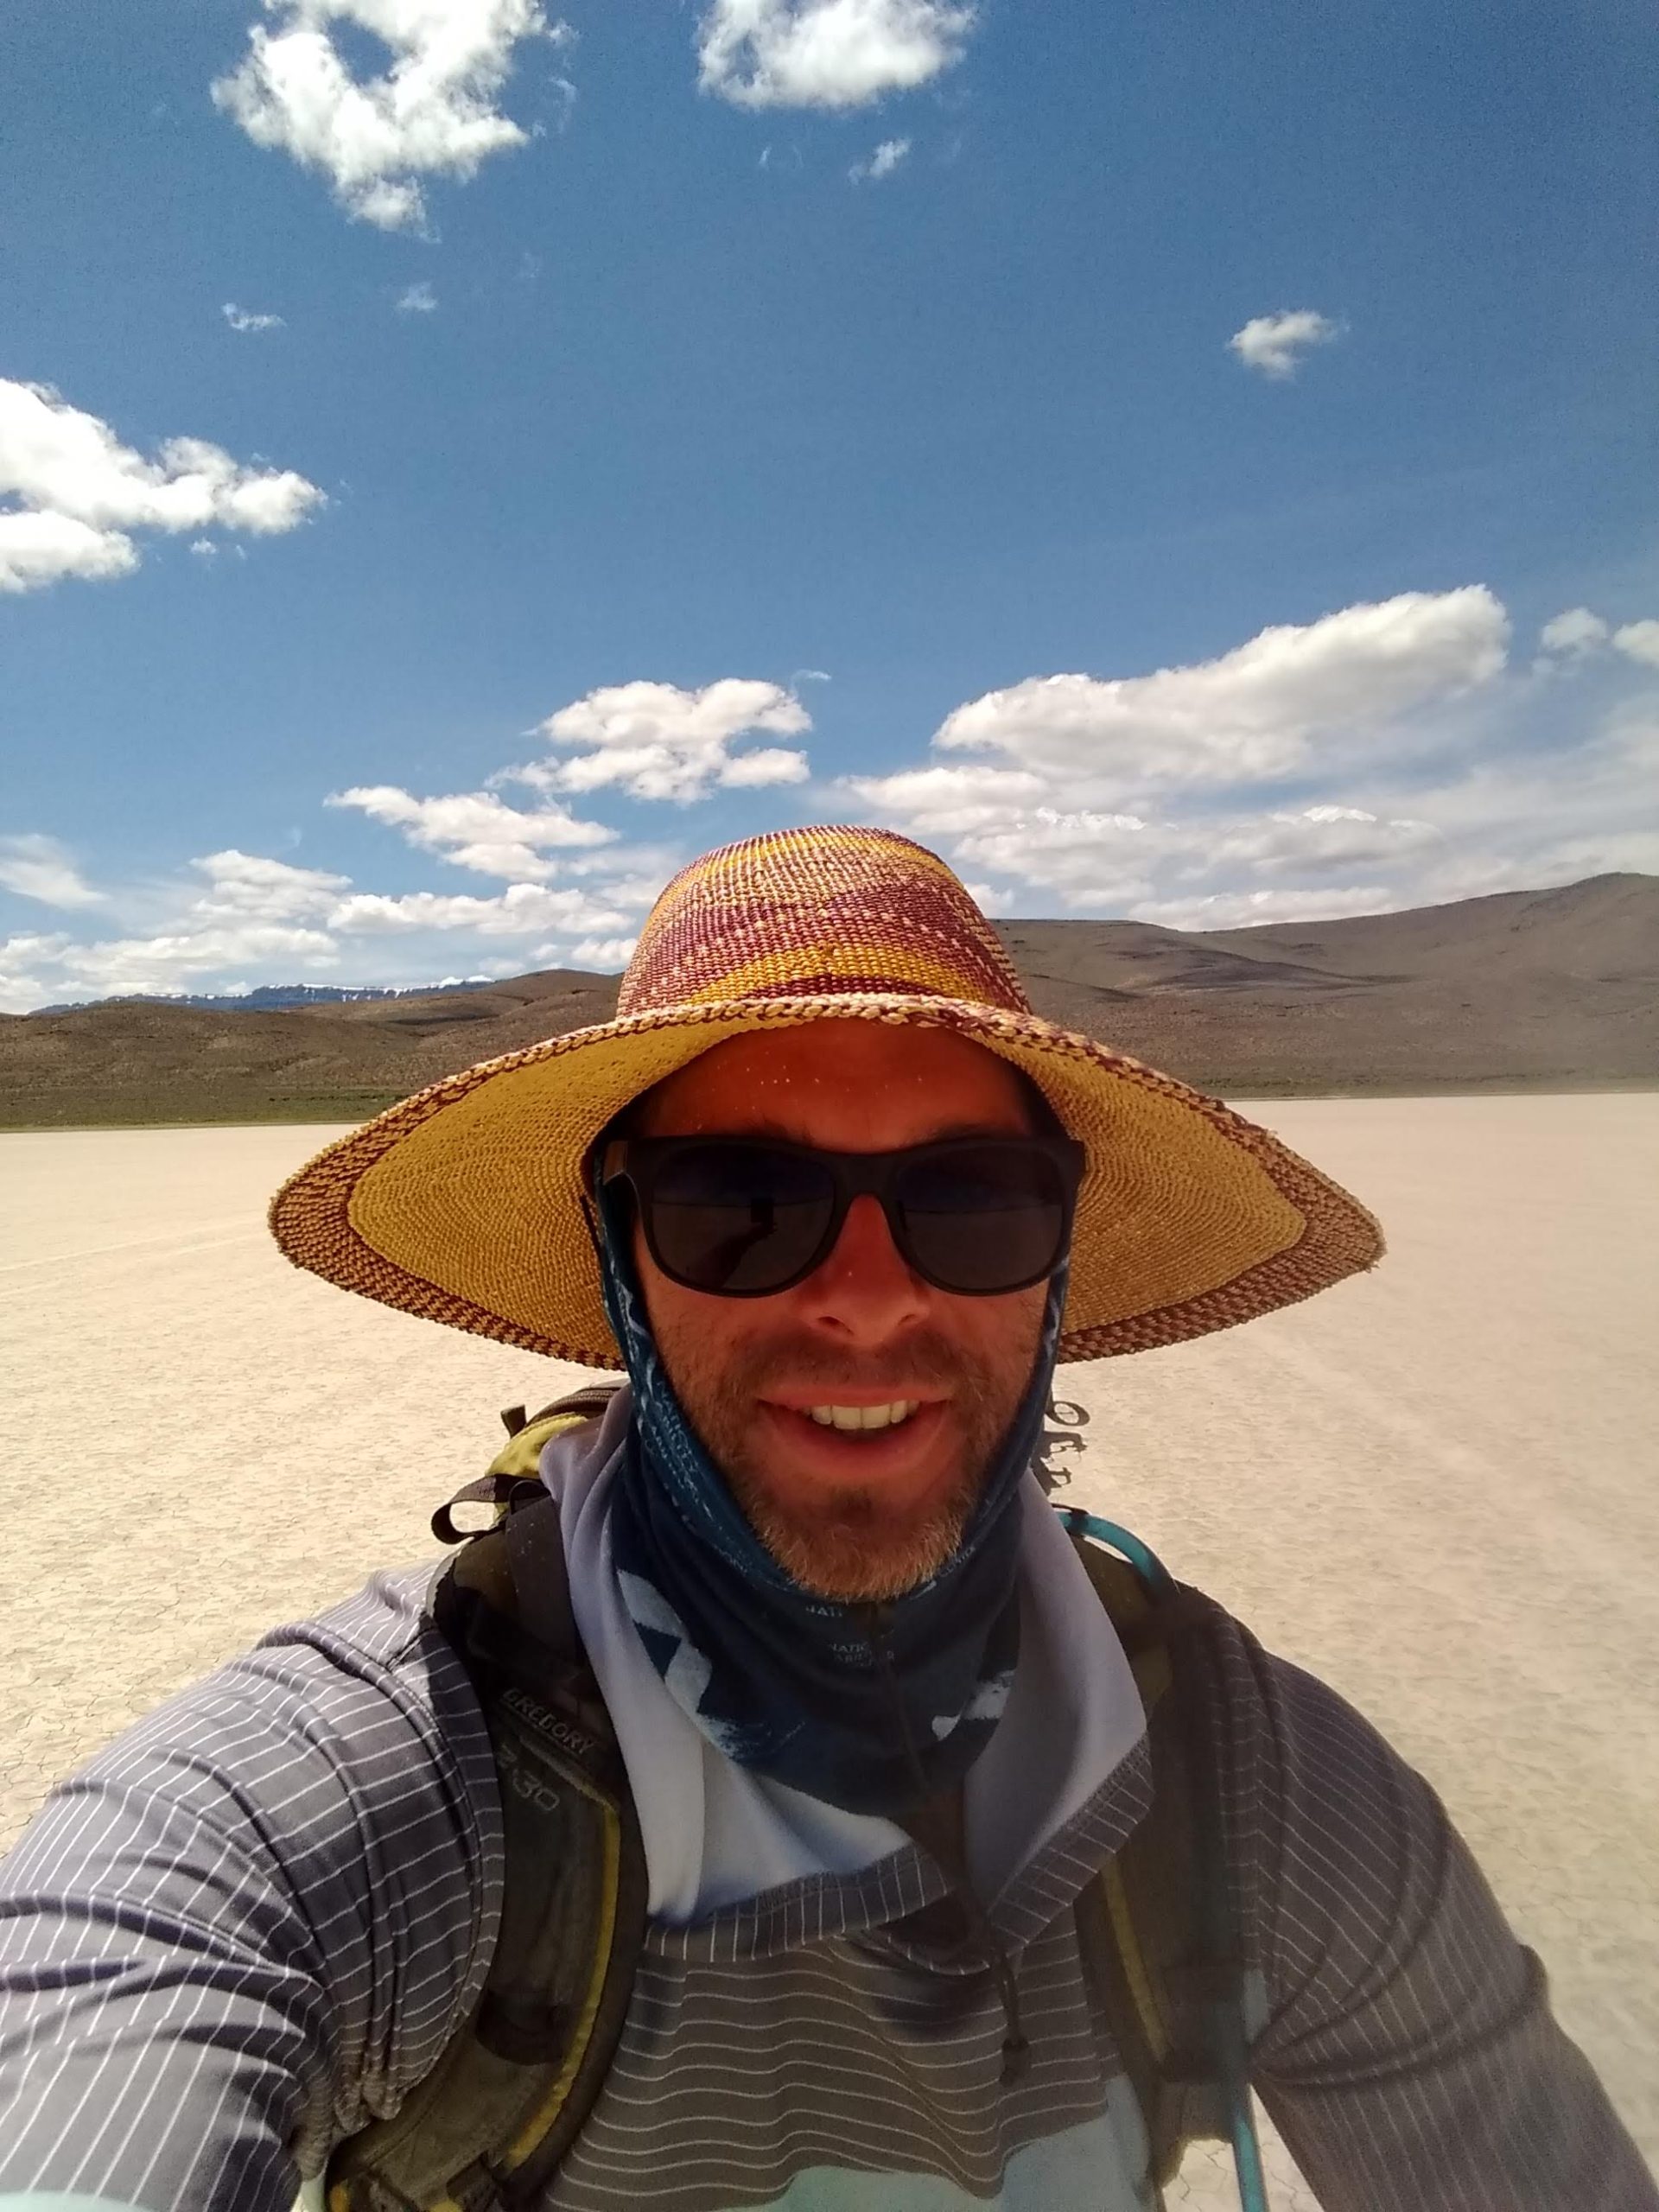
<point x="252" y="1923"/>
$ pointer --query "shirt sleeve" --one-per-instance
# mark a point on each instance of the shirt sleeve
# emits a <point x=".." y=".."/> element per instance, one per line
<point x="251" y="1924"/>
<point x="1406" y="2049"/>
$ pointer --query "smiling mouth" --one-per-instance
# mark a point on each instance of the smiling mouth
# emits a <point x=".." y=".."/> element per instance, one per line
<point x="856" y="1420"/>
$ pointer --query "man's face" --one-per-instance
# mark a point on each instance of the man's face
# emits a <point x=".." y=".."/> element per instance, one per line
<point x="870" y="1513"/>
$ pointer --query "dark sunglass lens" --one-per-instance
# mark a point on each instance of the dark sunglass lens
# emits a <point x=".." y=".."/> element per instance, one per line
<point x="984" y="1218"/>
<point x="737" y="1218"/>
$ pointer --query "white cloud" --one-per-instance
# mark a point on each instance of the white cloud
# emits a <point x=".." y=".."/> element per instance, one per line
<point x="79" y="491"/>
<point x="1578" y="631"/>
<point x="1639" y="641"/>
<point x="476" y="829"/>
<point x="654" y="741"/>
<point x="235" y="912"/>
<point x="1275" y="343"/>
<point x="244" y="319"/>
<point x="204" y="548"/>
<point x="1316" y="839"/>
<point x="419" y="299"/>
<point x="246" y="885"/>
<point x="522" y="910"/>
<point x="829" y="54"/>
<point x="1113" y="862"/>
<point x="36" y="867"/>
<point x="990" y="899"/>
<point x="882" y="162"/>
<point x="431" y="113"/>
<point x="1087" y="858"/>
<point x="244" y="915"/>
<point x="1239" y="910"/>
<point x="390" y="206"/>
<point x="604" y="953"/>
<point x="27" y="962"/>
<point x="38" y="549"/>
<point x="1262" y="710"/>
<point x="35" y="971"/>
<point x="1268" y="771"/>
<point x="951" y="802"/>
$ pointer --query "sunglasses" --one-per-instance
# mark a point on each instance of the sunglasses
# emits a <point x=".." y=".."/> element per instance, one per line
<point x="747" y="1216"/>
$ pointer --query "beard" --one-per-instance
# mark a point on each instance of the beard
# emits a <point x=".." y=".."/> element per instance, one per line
<point x="855" y="1545"/>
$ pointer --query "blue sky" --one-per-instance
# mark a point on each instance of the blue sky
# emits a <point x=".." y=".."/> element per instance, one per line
<point x="1190" y="462"/>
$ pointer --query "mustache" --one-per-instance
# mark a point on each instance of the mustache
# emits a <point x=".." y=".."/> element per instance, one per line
<point x="928" y="1357"/>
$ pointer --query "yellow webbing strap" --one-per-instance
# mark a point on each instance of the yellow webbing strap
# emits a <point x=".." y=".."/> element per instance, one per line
<point x="1135" y="1967"/>
<point x="521" y="1454"/>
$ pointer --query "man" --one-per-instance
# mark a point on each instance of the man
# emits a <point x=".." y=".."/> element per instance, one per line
<point x="836" y="1201"/>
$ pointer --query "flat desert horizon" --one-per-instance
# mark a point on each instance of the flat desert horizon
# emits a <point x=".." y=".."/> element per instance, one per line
<point x="1433" y="1485"/>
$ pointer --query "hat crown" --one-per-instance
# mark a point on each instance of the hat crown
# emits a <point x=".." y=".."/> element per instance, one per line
<point x="831" y="910"/>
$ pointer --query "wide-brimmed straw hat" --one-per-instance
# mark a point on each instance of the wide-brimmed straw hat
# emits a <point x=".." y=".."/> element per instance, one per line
<point x="464" y="1204"/>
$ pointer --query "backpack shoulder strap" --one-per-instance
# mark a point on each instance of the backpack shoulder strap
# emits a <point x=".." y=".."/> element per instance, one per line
<point x="487" y="2128"/>
<point x="518" y="1461"/>
<point x="1162" y="1962"/>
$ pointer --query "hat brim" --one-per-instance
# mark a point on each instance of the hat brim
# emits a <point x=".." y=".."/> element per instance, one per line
<point x="464" y="1204"/>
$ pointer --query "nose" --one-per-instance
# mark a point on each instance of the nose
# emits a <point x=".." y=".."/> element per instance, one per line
<point x="863" y="1292"/>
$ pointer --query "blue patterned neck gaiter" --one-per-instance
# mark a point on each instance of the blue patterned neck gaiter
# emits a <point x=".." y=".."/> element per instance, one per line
<point x="804" y="1688"/>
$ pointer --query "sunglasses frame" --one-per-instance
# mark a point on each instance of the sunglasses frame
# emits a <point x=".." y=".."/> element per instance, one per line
<point x="638" y="1160"/>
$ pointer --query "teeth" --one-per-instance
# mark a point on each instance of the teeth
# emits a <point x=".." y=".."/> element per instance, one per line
<point x="862" y="1417"/>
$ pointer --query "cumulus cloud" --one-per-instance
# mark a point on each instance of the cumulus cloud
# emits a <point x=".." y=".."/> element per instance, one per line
<point x="952" y="802"/>
<point x="1079" y="856"/>
<point x="606" y="953"/>
<point x="419" y="299"/>
<point x="476" y="829"/>
<point x="1220" y="779"/>
<point x="1577" y="633"/>
<point x="522" y="910"/>
<point x="79" y="492"/>
<point x="656" y="742"/>
<point x="1258" y="711"/>
<point x="1639" y="641"/>
<point x="828" y="53"/>
<point x="432" y="112"/>
<point x="1116" y="862"/>
<point x="1276" y="343"/>
<point x="38" y="548"/>
<point x="882" y="162"/>
<point x="1223" y="910"/>
<point x="37" y="867"/>
<point x="233" y="915"/>
<point x="1577" y="630"/>
<point x="1314" y="840"/>
<point x="246" y="885"/>
<point x="37" y="970"/>
<point x="232" y="912"/>
<point x="245" y="320"/>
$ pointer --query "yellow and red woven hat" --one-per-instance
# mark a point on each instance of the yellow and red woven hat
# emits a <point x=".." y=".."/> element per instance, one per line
<point x="464" y="1203"/>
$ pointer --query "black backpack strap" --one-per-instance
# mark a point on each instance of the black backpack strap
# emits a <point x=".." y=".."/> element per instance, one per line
<point x="487" y="2128"/>
<point x="1155" y="1925"/>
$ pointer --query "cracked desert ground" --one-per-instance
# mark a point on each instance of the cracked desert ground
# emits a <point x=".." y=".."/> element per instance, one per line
<point x="1434" y="1486"/>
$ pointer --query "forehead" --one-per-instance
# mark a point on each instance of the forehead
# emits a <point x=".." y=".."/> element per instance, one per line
<point x="853" y="1086"/>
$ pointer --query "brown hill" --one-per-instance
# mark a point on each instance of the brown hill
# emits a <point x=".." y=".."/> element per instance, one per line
<point x="1539" y="989"/>
<point x="1530" y="989"/>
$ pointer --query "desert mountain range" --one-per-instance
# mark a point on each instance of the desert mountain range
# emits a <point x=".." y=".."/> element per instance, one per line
<point x="1554" y="989"/>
